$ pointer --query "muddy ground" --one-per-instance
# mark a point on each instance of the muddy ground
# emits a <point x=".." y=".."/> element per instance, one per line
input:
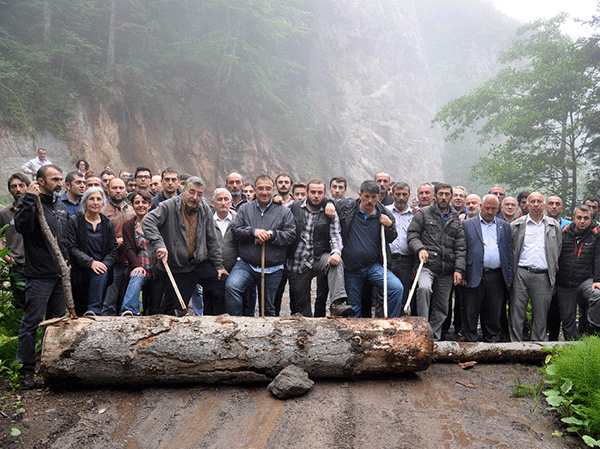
<point x="443" y="407"/>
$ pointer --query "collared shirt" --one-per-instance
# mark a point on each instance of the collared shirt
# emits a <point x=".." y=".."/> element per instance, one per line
<point x="403" y="219"/>
<point x="491" y="253"/>
<point x="72" y="208"/>
<point x="533" y="253"/>
<point x="304" y="257"/>
<point x="224" y="223"/>
<point x="118" y="216"/>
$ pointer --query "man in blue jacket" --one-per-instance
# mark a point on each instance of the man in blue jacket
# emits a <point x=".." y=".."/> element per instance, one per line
<point x="489" y="270"/>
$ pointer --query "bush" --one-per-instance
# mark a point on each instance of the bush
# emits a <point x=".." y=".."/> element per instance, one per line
<point x="575" y="394"/>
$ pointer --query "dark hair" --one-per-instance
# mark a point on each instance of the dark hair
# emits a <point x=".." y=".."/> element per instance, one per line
<point x="299" y="185"/>
<point x="139" y="169"/>
<point x="281" y="175"/>
<point x="592" y="199"/>
<point x="523" y="195"/>
<point x="442" y="185"/>
<point x="20" y="176"/>
<point x="168" y="170"/>
<point x="145" y="196"/>
<point x="400" y="185"/>
<point x="41" y="173"/>
<point x="265" y="178"/>
<point x="71" y="175"/>
<point x="315" y="181"/>
<point x="87" y="166"/>
<point x="339" y="179"/>
<point x="106" y="172"/>
<point x="370" y="186"/>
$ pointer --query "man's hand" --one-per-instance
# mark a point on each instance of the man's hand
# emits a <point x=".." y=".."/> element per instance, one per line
<point x="595" y="285"/>
<point x="334" y="259"/>
<point x="423" y="256"/>
<point x="330" y="210"/>
<point x="261" y="236"/>
<point x="98" y="267"/>
<point x="457" y="278"/>
<point x="385" y="220"/>
<point x="138" y="271"/>
<point x="33" y="188"/>
<point x="222" y="272"/>
<point x="162" y="254"/>
<point x="119" y="241"/>
<point x="277" y="199"/>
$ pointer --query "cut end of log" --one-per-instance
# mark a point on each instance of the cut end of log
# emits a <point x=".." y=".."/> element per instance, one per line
<point x="163" y="349"/>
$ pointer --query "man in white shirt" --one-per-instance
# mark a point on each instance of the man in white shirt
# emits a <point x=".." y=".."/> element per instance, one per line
<point x="32" y="166"/>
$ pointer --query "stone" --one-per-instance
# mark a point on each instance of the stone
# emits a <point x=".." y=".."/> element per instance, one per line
<point x="291" y="382"/>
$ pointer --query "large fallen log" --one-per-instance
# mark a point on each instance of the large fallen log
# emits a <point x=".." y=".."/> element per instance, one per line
<point x="517" y="352"/>
<point x="169" y="350"/>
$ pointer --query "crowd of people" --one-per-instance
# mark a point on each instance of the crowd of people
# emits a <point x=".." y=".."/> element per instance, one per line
<point x="122" y="233"/>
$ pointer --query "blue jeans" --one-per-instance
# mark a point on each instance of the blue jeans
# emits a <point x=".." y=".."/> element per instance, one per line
<point x="120" y="272"/>
<point x="354" y="281"/>
<point x="96" y="292"/>
<point x="198" y="301"/>
<point x="42" y="296"/>
<point x="152" y="294"/>
<point x="243" y="276"/>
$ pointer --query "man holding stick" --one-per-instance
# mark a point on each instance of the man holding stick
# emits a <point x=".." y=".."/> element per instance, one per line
<point x="43" y="284"/>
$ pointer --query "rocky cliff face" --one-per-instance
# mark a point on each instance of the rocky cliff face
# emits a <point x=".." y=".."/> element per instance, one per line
<point x="369" y="71"/>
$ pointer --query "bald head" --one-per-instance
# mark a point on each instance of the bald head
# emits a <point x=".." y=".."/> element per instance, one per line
<point x="473" y="205"/>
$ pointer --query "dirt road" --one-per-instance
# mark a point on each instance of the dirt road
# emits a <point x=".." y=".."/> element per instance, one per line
<point x="426" y="410"/>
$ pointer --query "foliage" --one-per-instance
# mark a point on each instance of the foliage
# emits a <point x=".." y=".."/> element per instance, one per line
<point x="533" y="116"/>
<point x="574" y="375"/>
<point x="521" y="390"/>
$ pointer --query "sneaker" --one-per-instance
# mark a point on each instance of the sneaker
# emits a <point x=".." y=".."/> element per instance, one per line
<point x="29" y="383"/>
<point x="338" y="308"/>
<point x="127" y="313"/>
<point x="89" y="313"/>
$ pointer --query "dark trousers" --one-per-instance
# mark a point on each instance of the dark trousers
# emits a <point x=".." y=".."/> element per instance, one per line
<point x="321" y="298"/>
<point x="152" y="294"/>
<point x="42" y="296"/>
<point x="402" y="267"/>
<point x="279" y="293"/>
<point x="204" y="274"/>
<point x="553" y="320"/>
<point x="486" y="301"/>
<point x="458" y="293"/>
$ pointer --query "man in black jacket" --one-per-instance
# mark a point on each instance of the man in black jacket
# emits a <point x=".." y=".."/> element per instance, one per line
<point x="317" y="250"/>
<point x="578" y="277"/>
<point x="259" y="222"/>
<point x="362" y="254"/>
<point x="436" y="235"/>
<point x="43" y="286"/>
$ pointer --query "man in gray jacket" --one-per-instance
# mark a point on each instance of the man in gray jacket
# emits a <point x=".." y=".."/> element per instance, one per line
<point x="259" y="222"/>
<point x="182" y="230"/>
<point x="537" y="241"/>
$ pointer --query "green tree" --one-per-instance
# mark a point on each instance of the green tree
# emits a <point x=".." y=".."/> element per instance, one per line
<point x="533" y="116"/>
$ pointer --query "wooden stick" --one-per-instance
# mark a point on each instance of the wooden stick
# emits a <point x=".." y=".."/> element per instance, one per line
<point x="412" y="289"/>
<point x="262" y="281"/>
<point x="174" y="284"/>
<point x="385" y="279"/>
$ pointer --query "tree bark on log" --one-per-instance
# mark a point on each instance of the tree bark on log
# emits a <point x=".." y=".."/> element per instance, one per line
<point x="517" y="352"/>
<point x="162" y="349"/>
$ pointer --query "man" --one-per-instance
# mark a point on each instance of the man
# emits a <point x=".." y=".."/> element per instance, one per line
<point x="183" y="232"/>
<point x="43" y="285"/>
<point x="384" y="181"/>
<point x="299" y="191"/>
<point x="284" y="183"/>
<point x="124" y="175"/>
<point x="509" y="208"/>
<point x="32" y="166"/>
<point x="75" y="188"/>
<point x="169" y="179"/>
<point x="235" y="184"/>
<point x="554" y="209"/>
<point x="260" y="222"/>
<point x="498" y="190"/>
<point x="424" y="196"/>
<point x="522" y="200"/>
<point x="131" y="184"/>
<point x="593" y="204"/>
<point x="105" y="177"/>
<point x="361" y="222"/>
<point x="536" y="246"/>
<point x="142" y="176"/>
<point x="17" y="186"/>
<point x="118" y="211"/>
<point x="472" y="206"/>
<point x="317" y="250"/>
<point x="155" y="184"/>
<point x="92" y="181"/>
<point x="459" y="195"/>
<point x="338" y="187"/>
<point x="403" y="259"/>
<point x="489" y="271"/>
<point x="578" y="278"/>
<point x="436" y="235"/>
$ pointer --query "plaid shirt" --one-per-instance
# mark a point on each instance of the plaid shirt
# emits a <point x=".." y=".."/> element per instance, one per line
<point x="304" y="254"/>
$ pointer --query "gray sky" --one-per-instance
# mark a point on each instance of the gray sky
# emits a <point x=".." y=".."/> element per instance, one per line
<point x="528" y="10"/>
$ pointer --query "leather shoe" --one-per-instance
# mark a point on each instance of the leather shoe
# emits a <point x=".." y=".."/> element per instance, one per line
<point x="29" y="383"/>
<point x="340" y="309"/>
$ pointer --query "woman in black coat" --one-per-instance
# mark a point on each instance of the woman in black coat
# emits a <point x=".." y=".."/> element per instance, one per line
<point x="93" y="250"/>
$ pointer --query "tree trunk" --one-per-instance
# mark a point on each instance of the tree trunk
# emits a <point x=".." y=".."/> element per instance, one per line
<point x="47" y="21"/>
<point x="162" y="349"/>
<point x="518" y="352"/>
<point x="110" y="48"/>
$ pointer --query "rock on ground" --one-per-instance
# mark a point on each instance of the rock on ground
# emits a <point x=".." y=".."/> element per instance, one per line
<point x="292" y="381"/>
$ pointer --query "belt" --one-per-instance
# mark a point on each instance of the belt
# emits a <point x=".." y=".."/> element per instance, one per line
<point x="534" y="270"/>
<point x="491" y="270"/>
<point x="402" y="256"/>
